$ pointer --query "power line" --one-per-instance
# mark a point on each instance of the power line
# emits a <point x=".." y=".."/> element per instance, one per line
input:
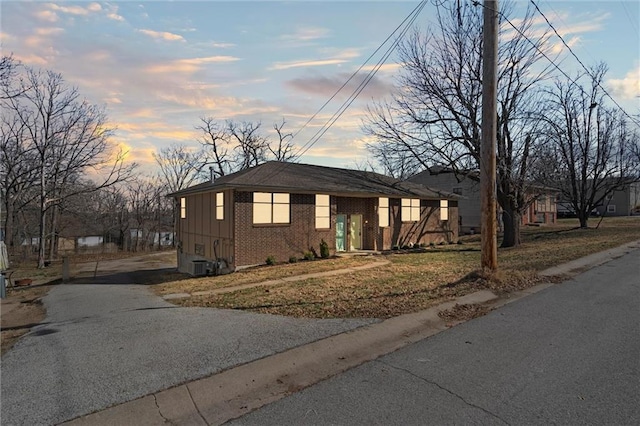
<point x="345" y="105"/>
<point x="556" y="66"/>
<point x="403" y="27"/>
<point x="420" y="6"/>
<point x="582" y="64"/>
<point x="633" y="24"/>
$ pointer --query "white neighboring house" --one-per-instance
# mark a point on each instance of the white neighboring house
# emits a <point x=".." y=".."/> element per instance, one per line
<point x="90" y="241"/>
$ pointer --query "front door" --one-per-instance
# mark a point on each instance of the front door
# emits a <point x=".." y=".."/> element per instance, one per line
<point x="341" y="224"/>
<point x="355" y="232"/>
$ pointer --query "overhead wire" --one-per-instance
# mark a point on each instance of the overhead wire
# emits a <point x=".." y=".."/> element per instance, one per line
<point x="554" y="64"/>
<point x="345" y="105"/>
<point x="403" y="27"/>
<point x="583" y="65"/>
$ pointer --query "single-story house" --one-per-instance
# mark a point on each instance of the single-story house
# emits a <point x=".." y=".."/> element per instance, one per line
<point x="465" y="183"/>
<point x="284" y="210"/>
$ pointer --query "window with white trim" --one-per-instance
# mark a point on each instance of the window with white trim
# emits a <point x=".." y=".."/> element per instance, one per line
<point x="444" y="209"/>
<point x="323" y="212"/>
<point x="410" y="209"/>
<point x="183" y="208"/>
<point x="383" y="212"/>
<point x="611" y="208"/>
<point x="220" y="205"/>
<point x="270" y="207"/>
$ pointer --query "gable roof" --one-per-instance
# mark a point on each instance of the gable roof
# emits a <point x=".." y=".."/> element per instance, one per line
<point x="276" y="176"/>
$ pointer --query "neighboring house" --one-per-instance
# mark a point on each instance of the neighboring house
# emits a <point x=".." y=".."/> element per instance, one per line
<point x="286" y="209"/>
<point x="622" y="202"/>
<point x="541" y="211"/>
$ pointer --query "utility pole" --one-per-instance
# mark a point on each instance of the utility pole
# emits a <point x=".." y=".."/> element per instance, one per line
<point x="489" y="226"/>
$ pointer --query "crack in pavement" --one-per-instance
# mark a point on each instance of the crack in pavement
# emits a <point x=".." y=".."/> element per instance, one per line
<point x="446" y="390"/>
<point x="195" y="405"/>
<point x="166" y="420"/>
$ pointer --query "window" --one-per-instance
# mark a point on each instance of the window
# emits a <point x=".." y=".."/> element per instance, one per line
<point x="611" y="208"/>
<point x="270" y="207"/>
<point x="323" y="211"/>
<point x="220" y="205"/>
<point x="457" y="191"/>
<point x="383" y="212"/>
<point x="444" y="209"/>
<point x="183" y="208"/>
<point x="410" y="209"/>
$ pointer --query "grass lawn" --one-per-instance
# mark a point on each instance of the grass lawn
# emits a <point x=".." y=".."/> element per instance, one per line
<point x="411" y="281"/>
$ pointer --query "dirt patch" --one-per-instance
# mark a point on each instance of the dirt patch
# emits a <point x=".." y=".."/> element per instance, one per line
<point x="461" y="313"/>
<point x="21" y="310"/>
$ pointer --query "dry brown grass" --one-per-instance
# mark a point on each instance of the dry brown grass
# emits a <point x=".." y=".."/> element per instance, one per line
<point x="416" y="281"/>
<point x="182" y="283"/>
<point x="22" y="310"/>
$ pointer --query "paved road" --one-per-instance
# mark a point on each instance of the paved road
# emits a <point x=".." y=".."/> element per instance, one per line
<point x="104" y="344"/>
<point x="567" y="355"/>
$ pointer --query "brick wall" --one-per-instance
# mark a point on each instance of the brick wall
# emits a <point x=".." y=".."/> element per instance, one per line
<point x="254" y="243"/>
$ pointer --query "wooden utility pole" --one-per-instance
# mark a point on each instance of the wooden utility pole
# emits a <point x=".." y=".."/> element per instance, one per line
<point x="489" y="226"/>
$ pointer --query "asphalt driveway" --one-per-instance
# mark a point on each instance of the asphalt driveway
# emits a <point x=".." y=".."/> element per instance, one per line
<point x="104" y="344"/>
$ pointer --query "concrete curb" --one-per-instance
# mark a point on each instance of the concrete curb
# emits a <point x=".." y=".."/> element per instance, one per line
<point x="239" y="390"/>
<point x="242" y="389"/>
<point x="374" y="264"/>
<point x="580" y="265"/>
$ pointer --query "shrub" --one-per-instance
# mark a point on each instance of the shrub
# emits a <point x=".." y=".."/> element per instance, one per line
<point x="293" y="259"/>
<point x="308" y="255"/>
<point x="324" y="249"/>
<point x="271" y="260"/>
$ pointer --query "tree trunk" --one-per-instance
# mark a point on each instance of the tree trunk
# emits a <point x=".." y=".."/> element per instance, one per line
<point x="43" y="219"/>
<point x="511" y="223"/>
<point x="584" y="219"/>
<point x="8" y="224"/>
<point x="53" y="245"/>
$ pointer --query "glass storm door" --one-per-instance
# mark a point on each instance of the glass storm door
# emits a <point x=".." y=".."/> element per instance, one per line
<point x="341" y="222"/>
<point x="355" y="232"/>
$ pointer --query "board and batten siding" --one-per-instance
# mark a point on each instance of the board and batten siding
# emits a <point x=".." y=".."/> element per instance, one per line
<point x="199" y="230"/>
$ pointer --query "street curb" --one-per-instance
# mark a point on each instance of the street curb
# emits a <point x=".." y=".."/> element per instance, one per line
<point x="591" y="261"/>
<point x="242" y="389"/>
<point x="239" y="390"/>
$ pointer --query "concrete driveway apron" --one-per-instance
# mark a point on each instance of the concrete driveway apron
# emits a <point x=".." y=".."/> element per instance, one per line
<point x="103" y="344"/>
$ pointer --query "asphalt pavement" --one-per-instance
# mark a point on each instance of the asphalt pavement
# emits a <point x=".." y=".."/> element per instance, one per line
<point x="569" y="354"/>
<point x="104" y="344"/>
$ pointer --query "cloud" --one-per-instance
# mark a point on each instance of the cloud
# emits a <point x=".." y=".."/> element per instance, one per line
<point x="163" y="35"/>
<point x="306" y="34"/>
<point x="115" y="17"/>
<point x="74" y="10"/>
<point x="324" y="86"/>
<point x="222" y="45"/>
<point x="627" y="87"/>
<point x="46" y="15"/>
<point x="188" y="65"/>
<point x="339" y="58"/>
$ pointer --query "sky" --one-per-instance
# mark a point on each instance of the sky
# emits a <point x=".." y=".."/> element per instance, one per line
<point x="157" y="67"/>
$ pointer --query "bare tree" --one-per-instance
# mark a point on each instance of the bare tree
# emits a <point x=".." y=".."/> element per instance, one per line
<point x="592" y="150"/>
<point x="250" y="146"/>
<point x="434" y="118"/>
<point x="215" y="142"/>
<point x="180" y="167"/>
<point x="68" y="137"/>
<point x="282" y="150"/>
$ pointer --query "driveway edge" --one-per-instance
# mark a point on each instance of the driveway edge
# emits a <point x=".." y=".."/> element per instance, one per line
<point x="242" y="389"/>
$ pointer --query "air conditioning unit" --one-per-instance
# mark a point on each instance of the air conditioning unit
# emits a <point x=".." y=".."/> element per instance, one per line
<point x="198" y="268"/>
